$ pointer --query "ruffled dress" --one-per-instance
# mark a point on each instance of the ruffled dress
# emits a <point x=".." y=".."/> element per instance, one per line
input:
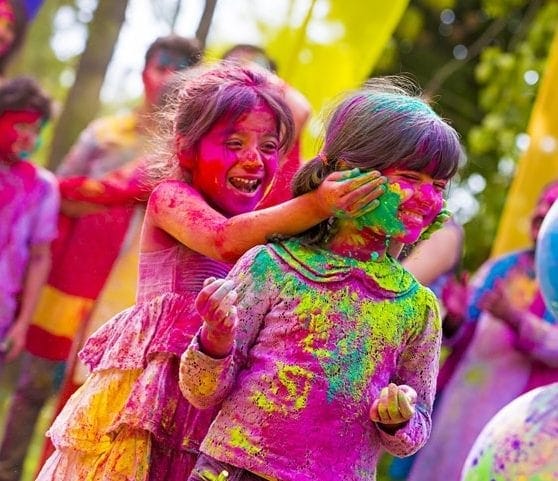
<point x="129" y="420"/>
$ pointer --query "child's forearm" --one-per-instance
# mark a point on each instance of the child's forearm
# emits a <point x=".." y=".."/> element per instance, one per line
<point x="215" y="345"/>
<point x="240" y="233"/>
<point x="103" y="192"/>
<point x="37" y="273"/>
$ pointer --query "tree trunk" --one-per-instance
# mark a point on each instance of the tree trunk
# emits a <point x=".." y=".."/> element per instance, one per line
<point x="82" y="102"/>
<point x="175" y="15"/>
<point x="205" y="21"/>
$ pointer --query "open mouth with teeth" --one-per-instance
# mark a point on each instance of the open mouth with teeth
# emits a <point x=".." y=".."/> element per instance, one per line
<point x="247" y="186"/>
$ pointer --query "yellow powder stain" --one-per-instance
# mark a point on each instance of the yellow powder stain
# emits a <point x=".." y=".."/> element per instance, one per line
<point x="207" y="384"/>
<point x="383" y="321"/>
<point x="316" y="311"/>
<point x="240" y="439"/>
<point x="288" y="392"/>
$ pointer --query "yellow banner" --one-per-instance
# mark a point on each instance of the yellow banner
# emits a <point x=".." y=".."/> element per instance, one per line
<point x="537" y="167"/>
<point x="329" y="53"/>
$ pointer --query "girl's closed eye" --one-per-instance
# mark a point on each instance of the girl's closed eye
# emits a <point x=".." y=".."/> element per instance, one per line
<point x="270" y="147"/>
<point x="409" y="175"/>
<point x="233" y="144"/>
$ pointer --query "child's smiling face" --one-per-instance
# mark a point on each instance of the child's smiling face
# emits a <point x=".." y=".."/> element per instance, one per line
<point x="411" y="203"/>
<point x="236" y="161"/>
<point x="421" y="201"/>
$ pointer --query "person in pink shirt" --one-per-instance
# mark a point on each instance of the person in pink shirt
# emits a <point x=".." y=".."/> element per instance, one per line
<point x="29" y="204"/>
<point x="322" y="348"/>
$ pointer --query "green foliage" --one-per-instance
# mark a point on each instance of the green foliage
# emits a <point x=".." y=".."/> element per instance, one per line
<point x="38" y="57"/>
<point x="506" y="99"/>
<point x="488" y="96"/>
<point x="438" y="5"/>
<point x="498" y="8"/>
<point x="506" y="94"/>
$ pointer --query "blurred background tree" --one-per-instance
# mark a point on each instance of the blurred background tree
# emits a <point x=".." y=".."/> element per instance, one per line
<point x="480" y="61"/>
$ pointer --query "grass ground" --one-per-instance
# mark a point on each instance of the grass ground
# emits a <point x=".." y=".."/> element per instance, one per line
<point x="7" y="381"/>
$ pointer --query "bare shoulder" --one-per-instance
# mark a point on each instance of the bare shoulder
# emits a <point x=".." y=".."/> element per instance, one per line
<point x="170" y="192"/>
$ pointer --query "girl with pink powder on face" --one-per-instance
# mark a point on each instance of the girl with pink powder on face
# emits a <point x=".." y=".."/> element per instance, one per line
<point x="129" y="420"/>
<point x="322" y="348"/>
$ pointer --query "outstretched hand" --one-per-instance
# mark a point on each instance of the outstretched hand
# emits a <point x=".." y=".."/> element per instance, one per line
<point x="394" y="407"/>
<point x="349" y="193"/>
<point x="216" y="304"/>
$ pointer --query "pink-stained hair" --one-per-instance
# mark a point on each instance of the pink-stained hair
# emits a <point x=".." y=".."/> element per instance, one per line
<point x="201" y="96"/>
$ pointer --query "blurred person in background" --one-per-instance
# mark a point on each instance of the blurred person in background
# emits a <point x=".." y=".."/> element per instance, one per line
<point x="514" y="349"/>
<point x="90" y="241"/>
<point x="29" y="204"/>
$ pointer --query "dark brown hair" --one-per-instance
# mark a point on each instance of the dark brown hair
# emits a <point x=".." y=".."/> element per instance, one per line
<point x="189" y="47"/>
<point x="260" y="55"/>
<point x="24" y="93"/>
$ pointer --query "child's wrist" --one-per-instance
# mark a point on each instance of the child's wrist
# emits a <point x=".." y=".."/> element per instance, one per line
<point x="319" y="207"/>
<point x="215" y="344"/>
<point x="391" y="429"/>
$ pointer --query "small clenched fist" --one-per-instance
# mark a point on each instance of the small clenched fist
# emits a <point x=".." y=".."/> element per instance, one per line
<point x="395" y="405"/>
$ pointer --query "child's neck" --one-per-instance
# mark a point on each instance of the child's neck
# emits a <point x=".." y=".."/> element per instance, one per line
<point x="361" y="244"/>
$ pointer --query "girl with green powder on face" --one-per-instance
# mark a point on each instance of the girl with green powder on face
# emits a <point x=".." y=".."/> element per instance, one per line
<point x="323" y="348"/>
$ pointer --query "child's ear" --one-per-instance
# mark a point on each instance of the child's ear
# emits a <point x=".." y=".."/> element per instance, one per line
<point x="185" y="154"/>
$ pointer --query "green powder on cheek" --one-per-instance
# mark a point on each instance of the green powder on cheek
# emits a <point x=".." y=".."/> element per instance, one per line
<point x="385" y="215"/>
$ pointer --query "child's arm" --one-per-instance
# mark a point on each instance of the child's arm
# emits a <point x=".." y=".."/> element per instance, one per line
<point x="209" y="367"/>
<point x="36" y="275"/>
<point x="178" y="209"/>
<point x="403" y="413"/>
<point x="119" y="187"/>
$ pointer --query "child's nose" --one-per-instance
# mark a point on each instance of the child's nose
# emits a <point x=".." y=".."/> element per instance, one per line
<point x="251" y="159"/>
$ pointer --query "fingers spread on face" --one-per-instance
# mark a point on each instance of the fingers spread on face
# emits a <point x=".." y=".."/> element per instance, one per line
<point x="359" y="194"/>
<point x="363" y="200"/>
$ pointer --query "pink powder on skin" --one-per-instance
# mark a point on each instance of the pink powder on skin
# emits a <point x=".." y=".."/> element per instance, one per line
<point x="237" y="161"/>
